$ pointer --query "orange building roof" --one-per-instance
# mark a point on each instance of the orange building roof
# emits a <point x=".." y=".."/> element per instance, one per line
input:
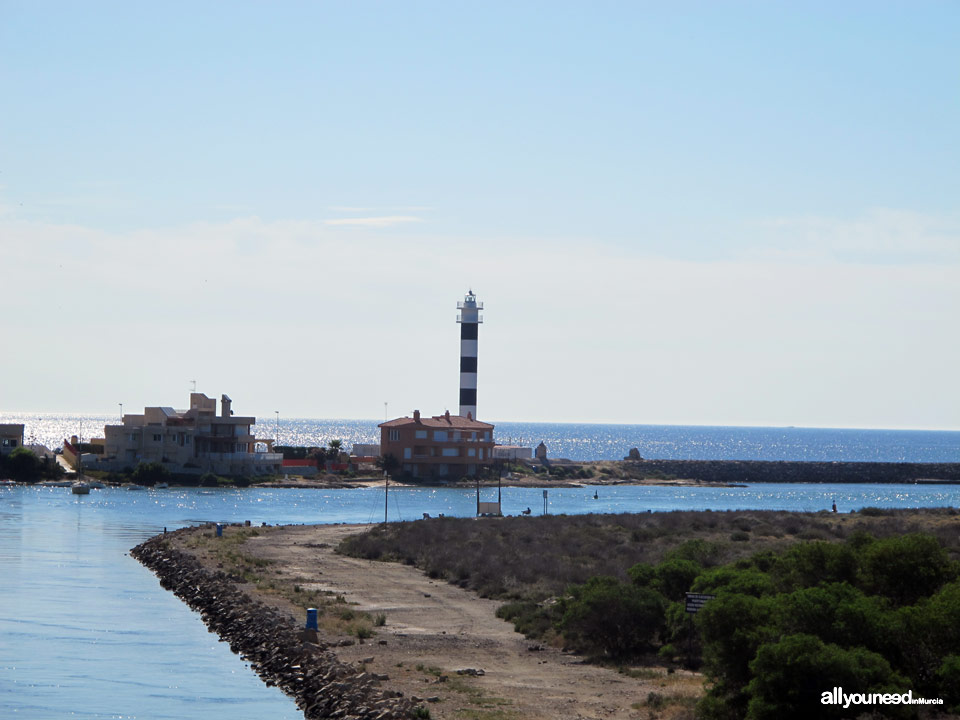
<point x="438" y="421"/>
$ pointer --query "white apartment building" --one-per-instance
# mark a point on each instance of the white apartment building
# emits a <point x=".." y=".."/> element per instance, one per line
<point x="192" y="441"/>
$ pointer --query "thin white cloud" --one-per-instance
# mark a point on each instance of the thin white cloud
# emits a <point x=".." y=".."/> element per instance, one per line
<point x="374" y="222"/>
<point x="882" y="235"/>
<point x="745" y="341"/>
<point x="386" y="208"/>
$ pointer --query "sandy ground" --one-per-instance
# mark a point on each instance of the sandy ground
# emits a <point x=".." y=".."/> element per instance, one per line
<point x="434" y="629"/>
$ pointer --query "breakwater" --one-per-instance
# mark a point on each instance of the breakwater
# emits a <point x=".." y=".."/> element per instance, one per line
<point x="278" y="651"/>
<point x="762" y="471"/>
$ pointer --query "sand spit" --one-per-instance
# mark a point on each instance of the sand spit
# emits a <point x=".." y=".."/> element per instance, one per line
<point x="441" y="647"/>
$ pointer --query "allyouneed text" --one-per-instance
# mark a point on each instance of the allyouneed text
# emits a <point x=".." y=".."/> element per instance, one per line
<point x="838" y="697"/>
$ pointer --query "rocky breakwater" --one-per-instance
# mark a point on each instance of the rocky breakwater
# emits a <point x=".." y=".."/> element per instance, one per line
<point x="279" y="651"/>
<point x="738" y="471"/>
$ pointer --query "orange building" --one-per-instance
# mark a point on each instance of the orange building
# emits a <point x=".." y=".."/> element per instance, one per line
<point x="443" y="446"/>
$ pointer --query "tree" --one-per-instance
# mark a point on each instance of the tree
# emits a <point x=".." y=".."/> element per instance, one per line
<point x="150" y="474"/>
<point x="613" y="618"/>
<point x="320" y="456"/>
<point x="733" y="627"/>
<point x="907" y="568"/>
<point x="675" y="577"/>
<point x="23" y="464"/>
<point x="791" y="675"/>
<point x="388" y="463"/>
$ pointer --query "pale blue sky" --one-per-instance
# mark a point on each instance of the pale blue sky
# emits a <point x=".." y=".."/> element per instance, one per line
<point x="728" y="213"/>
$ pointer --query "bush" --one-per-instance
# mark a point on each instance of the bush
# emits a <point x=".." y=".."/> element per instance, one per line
<point x="208" y="479"/>
<point x="150" y="474"/>
<point x="906" y="568"/>
<point x="789" y="677"/>
<point x="948" y="680"/>
<point x="612" y="618"/>
<point x="527" y="617"/>
<point x="22" y="464"/>
<point x="675" y="577"/>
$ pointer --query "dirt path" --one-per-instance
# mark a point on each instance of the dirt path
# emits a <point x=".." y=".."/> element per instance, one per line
<point x="434" y="629"/>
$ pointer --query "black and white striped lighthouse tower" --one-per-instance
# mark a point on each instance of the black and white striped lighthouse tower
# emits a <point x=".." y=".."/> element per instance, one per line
<point x="469" y="319"/>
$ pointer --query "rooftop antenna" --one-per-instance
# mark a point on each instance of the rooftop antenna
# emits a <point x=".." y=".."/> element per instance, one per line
<point x="385" y="416"/>
<point x="194" y="383"/>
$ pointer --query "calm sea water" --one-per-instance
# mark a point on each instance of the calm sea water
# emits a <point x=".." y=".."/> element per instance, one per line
<point x="596" y="442"/>
<point x="87" y="632"/>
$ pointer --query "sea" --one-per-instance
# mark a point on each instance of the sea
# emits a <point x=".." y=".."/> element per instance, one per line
<point x="87" y="632"/>
<point x="589" y="441"/>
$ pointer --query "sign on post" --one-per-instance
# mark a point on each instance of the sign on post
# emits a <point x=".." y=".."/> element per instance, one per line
<point x="695" y="601"/>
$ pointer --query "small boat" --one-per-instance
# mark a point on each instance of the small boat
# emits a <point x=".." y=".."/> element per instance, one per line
<point x="7" y="483"/>
<point x="161" y="486"/>
<point x="80" y="488"/>
<point x="95" y="485"/>
<point x="135" y="487"/>
<point x="55" y="483"/>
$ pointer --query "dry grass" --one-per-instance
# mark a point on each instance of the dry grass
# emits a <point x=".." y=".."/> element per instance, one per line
<point x="533" y="558"/>
<point x="230" y="554"/>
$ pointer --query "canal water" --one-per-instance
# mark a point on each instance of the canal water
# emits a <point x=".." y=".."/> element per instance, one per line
<point x="87" y="632"/>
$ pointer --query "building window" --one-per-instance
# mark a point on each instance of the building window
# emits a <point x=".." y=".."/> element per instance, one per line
<point x="440" y="435"/>
<point x="394" y="436"/>
<point x="157" y="438"/>
<point x="451" y="452"/>
<point x="471" y="452"/>
<point x="421" y="435"/>
<point x="406" y="453"/>
<point x="486" y="435"/>
<point x="456" y="436"/>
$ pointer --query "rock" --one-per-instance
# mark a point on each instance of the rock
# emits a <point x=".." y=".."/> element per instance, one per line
<point x="275" y="646"/>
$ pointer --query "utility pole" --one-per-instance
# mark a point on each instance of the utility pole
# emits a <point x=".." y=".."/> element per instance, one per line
<point x="386" y="493"/>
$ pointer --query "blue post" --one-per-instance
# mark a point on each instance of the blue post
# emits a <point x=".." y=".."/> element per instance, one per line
<point x="312" y="619"/>
<point x="219" y="530"/>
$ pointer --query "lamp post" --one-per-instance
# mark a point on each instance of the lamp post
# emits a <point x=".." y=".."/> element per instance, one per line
<point x="121" y="412"/>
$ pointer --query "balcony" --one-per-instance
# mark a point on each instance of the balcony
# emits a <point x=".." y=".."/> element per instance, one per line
<point x="463" y="306"/>
<point x="460" y="318"/>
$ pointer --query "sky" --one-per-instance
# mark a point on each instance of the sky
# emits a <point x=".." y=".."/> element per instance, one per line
<point x="716" y="213"/>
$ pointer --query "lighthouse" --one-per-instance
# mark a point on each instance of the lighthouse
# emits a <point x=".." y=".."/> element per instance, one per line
<point x="469" y="318"/>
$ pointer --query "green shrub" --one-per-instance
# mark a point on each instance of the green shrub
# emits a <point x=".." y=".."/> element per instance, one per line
<point x="608" y="617"/>
<point x="22" y="464"/>
<point x="674" y="577"/>
<point x="906" y="568"/>
<point x="150" y="473"/>
<point x="789" y="677"/>
<point x="527" y="617"/>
